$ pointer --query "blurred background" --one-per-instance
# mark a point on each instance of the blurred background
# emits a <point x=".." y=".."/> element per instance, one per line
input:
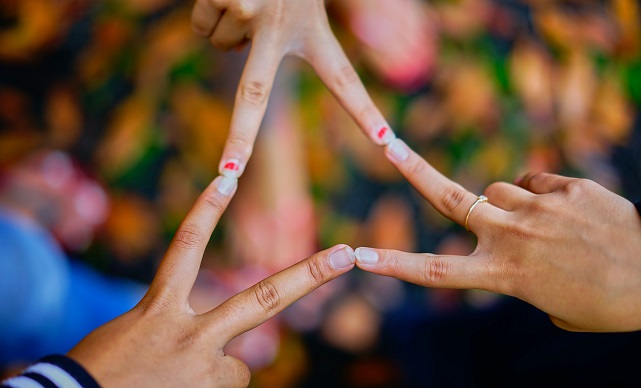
<point x="113" y="115"/>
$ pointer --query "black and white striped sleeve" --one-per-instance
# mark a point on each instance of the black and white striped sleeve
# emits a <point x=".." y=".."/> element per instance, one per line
<point x="52" y="372"/>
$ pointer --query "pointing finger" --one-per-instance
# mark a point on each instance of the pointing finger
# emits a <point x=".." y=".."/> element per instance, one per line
<point x="428" y="270"/>
<point x="179" y="268"/>
<point x="331" y="64"/>
<point x="251" y="102"/>
<point x="257" y="304"/>
<point x="449" y="198"/>
<point x="204" y="17"/>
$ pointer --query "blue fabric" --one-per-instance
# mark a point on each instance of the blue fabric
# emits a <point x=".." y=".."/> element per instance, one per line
<point x="47" y="302"/>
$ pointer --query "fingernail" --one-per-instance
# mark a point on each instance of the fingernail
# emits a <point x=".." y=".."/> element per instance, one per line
<point x="231" y="168"/>
<point x="226" y="185"/>
<point x="366" y="255"/>
<point x="385" y="135"/>
<point x="342" y="258"/>
<point x="398" y="150"/>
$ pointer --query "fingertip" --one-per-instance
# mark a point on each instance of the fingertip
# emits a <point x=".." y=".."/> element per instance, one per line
<point x="225" y="185"/>
<point x="341" y="257"/>
<point x="397" y="151"/>
<point x="366" y="256"/>
<point x="383" y="134"/>
<point x="231" y="168"/>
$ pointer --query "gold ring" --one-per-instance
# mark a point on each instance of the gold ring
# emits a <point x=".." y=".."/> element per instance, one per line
<point x="480" y="199"/>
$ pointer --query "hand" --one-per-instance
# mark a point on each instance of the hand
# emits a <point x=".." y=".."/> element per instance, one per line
<point x="567" y="246"/>
<point x="162" y="341"/>
<point x="278" y="28"/>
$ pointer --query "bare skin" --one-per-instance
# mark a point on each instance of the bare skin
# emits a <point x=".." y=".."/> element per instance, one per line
<point x="280" y="28"/>
<point x="568" y="246"/>
<point x="162" y="341"/>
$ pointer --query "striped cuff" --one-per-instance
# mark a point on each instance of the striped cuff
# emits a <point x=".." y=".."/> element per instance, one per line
<point x="53" y="372"/>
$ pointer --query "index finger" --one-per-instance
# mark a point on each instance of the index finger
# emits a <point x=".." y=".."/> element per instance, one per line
<point x="448" y="197"/>
<point x="179" y="268"/>
<point x="335" y="70"/>
<point x="270" y="296"/>
<point x="251" y="102"/>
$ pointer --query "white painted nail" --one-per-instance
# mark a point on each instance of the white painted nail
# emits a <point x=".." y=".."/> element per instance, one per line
<point x="226" y="185"/>
<point x="231" y="168"/>
<point x="398" y="150"/>
<point x="385" y="134"/>
<point x="342" y="258"/>
<point x="366" y="255"/>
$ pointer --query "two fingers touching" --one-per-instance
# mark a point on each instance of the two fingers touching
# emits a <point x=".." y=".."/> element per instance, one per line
<point x="567" y="246"/>
<point x="187" y="349"/>
<point x="276" y="29"/>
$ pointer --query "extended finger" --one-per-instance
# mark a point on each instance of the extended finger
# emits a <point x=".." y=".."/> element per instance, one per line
<point x="542" y="182"/>
<point x="178" y="270"/>
<point x="449" y="198"/>
<point x="506" y="196"/>
<point x="251" y="101"/>
<point x="204" y="17"/>
<point x="229" y="33"/>
<point x="257" y="304"/>
<point x="329" y="61"/>
<point x="428" y="270"/>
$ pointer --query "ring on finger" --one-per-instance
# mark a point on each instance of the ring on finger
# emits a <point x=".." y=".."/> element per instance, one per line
<point x="480" y="199"/>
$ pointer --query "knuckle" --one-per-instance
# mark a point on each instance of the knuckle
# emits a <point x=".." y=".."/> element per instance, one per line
<point x="435" y="270"/>
<point x="346" y="77"/>
<point x="452" y="198"/>
<point x="416" y="168"/>
<point x="244" y="11"/>
<point x="495" y="188"/>
<point x="577" y="187"/>
<point x="189" y="236"/>
<point x="536" y="178"/>
<point x="213" y="199"/>
<point x="253" y="92"/>
<point x="199" y="28"/>
<point x="315" y="271"/>
<point x="267" y="296"/>
<point x="393" y="261"/>
<point x="241" y="143"/>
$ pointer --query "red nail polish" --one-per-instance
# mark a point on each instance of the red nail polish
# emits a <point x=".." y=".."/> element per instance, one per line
<point x="231" y="166"/>
<point x="385" y="135"/>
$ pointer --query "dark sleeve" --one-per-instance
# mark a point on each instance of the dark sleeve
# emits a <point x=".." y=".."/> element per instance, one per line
<point x="638" y="206"/>
<point x="53" y="372"/>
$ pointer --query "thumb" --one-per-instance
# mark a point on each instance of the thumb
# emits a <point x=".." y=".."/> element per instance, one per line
<point x="426" y="269"/>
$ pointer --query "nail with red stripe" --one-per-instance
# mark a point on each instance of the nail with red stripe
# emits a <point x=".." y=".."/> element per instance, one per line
<point x="385" y="135"/>
<point x="231" y="168"/>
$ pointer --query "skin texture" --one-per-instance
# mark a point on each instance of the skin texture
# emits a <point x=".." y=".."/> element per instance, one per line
<point x="279" y="28"/>
<point x="163" y="342"/>
<point x="568" y="246"/>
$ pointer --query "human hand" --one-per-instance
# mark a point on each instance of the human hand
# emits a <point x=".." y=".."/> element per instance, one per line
<point x="278" y="28"/>
<point x="162" y="341"/>
<point x="567" y="246"/>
